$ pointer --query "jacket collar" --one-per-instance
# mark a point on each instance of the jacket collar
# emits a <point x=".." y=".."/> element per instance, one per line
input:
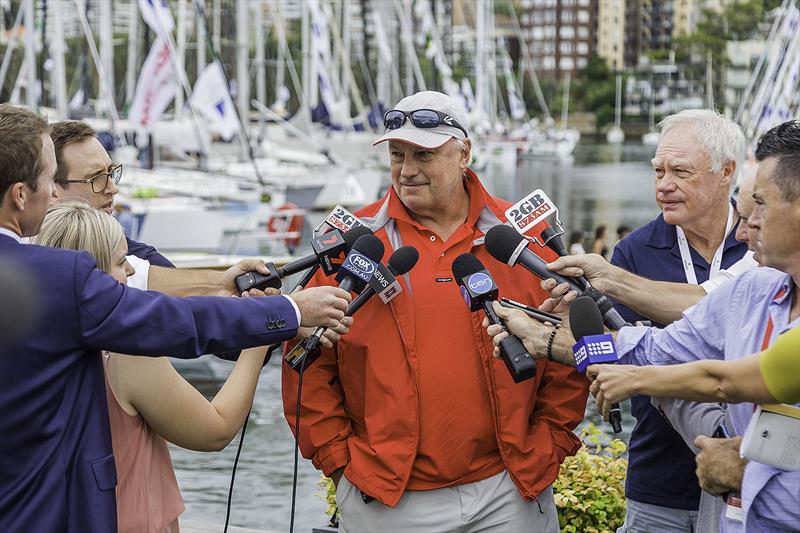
<point x="8" y="233"/>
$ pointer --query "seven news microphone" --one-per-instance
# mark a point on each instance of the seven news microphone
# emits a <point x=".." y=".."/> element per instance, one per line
<point x="329" y="251"/>
<point x="594" y="346"/>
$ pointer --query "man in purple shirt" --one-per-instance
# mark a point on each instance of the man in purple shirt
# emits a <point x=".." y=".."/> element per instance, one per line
<point x="743" y="316"/>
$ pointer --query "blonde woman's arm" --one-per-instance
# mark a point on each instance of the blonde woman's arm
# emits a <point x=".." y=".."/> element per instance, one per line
<point x="174" y="409"/>
<point x="701" y="381"/>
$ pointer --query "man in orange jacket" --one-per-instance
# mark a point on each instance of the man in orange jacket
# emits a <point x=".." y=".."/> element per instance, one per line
<point x="409" y="413"/>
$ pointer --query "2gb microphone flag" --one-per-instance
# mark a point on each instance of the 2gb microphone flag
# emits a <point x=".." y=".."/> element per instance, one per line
<point x="529" y="211"/>
<point x="594" y="349"/>
<point x="342" y="219"/>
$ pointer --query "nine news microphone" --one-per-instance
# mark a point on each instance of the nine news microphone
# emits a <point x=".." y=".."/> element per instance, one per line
<point x="479" y="291"/>
<point x="354" y="274"/>
<point x="593" y="346"/>
<point x="508" y="246"/>
<point x="327" y="249"/>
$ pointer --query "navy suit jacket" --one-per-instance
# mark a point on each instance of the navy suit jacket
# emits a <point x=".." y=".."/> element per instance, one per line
<point x="57" y="469"/>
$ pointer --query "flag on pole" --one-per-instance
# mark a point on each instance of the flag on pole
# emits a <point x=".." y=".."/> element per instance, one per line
<point x="211" y="99"/>
<point x="155" y="88"/>
<point x="157" y="15"/>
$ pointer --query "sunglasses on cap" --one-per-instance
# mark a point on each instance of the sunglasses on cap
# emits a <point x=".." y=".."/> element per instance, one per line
<point x="420" y="118"/>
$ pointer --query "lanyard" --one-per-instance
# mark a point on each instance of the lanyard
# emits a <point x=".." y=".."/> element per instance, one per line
<point x="686" y="256"/>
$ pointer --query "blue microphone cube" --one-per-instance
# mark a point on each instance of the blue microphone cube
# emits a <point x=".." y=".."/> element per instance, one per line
<point x="594" y="349"/>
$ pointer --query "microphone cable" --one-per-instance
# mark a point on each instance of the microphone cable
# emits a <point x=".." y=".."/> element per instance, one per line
<point x="296" y="443"/>
<point x="267" y="357"/>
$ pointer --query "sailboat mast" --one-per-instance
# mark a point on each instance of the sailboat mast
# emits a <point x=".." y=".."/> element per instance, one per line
<point x="242" y="71"/>
<point x="261" y="82"/>
<point x="565" y="101"/>
<point x="180" y="45"/>
<point x="59" y="76"/>
<point x="30" y="56"/>
<point x="618" y="103"/>
<point x="133" y="51"/>
<point x="107" y="50"/>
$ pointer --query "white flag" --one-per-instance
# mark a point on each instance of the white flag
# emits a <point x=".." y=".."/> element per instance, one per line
<point x="155" y="88"/>
<point x="211" y="99"/>
<point x="157" y="15"/>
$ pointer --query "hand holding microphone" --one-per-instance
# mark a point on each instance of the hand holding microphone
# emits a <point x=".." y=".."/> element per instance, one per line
<point x="329" y="252"/>
<point x="594" y="346"/>
<point x="480" y="292"/>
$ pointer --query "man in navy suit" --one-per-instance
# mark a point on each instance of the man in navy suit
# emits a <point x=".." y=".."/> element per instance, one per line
<point x="57" y="470"/>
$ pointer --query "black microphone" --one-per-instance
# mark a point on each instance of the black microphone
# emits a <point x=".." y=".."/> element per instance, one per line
<point x="383" y="282"/>
<point x="594" y="346"/>
<point x="329" y="249"/>
<point x="400" y="263"/>
<point x="357" y="269"/>
<point x="508" y="246"/>
<point x="479" y="291"/>
<point x="552" y="238"/>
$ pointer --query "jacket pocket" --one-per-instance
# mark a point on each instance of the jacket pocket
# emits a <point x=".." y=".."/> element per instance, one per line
<point x="105" y="472"/>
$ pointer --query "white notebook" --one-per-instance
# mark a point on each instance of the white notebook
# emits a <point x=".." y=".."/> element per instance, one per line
<point x="773" y="437"/>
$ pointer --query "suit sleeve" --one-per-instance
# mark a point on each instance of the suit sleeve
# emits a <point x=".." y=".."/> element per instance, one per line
<point x="121" y="319"/>
<point x="324" y="423"/>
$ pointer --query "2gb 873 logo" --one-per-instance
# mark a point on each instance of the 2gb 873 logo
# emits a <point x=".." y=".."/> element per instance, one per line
<point x="530" y="211"/>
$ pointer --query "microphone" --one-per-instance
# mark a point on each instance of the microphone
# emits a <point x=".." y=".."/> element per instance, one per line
<point x="383" y="283"/>
<point x="594" y="345"/>
<point x="357" y="269"/>
<point x="328" y="248"/>
<point x="552" y="238"/>
<point x="479" y="291"/>
<point x="508" y="246"/>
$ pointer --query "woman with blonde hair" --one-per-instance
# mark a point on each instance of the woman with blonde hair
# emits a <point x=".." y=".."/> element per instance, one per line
<point x="149" y="403"/>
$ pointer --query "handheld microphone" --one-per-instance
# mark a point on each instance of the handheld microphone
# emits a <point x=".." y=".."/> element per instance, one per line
<point x="329" y="250"/>
<point x="359" y="266"/>
<point x="552" y="238"/>
<point x="594" y="346"/>
<point x="508" y="246"/>
<point x="479" y="291"/>
<point x="383" y="283"/>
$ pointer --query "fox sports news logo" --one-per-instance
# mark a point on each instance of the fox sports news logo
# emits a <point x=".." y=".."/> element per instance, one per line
<point x="360" y="266"/>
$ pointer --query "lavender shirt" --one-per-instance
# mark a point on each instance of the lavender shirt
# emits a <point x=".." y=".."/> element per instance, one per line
<point x="729" y="324"/>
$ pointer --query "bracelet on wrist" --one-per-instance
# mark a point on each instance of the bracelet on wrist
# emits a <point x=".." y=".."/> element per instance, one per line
<point x="550" y="342"/>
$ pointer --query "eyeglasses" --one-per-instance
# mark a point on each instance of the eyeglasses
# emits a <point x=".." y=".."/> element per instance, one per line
<point x="100" y="181"/>
<point x="421" y="118"/>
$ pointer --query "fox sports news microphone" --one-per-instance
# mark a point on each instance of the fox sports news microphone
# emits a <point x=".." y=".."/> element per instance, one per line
<point x="479" y="291"/>
<point x="327" y="249"/>
<point x="354" y="274"/>
<point x="508" y="246"/>
<point x="383" y="283"/>
<point x="594" y="345"/>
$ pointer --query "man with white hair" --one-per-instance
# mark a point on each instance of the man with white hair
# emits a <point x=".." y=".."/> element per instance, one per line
<point x="696" y="164"/>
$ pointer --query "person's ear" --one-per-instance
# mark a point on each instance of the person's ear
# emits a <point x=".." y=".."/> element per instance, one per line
<point x="18" y="193"/>
<point x="728" y="172"/>
<point x="465" y="155"/>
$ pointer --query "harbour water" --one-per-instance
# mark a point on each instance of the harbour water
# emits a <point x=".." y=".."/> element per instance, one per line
<point x="603" y="184"/>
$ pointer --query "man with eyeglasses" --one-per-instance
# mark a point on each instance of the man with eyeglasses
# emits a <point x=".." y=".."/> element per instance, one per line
<point x="86" y="171"/>
<point x="408" y="413"/>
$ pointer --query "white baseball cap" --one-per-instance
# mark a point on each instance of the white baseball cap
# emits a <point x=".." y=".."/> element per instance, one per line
<point x="450" y="109"/>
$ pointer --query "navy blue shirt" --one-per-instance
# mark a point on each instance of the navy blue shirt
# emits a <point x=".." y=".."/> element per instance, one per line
<point x="661" y="468"/>
<point x="148" y="253"/>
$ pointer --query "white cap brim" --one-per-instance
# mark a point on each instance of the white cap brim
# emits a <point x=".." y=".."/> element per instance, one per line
<point x="429" y="138"/>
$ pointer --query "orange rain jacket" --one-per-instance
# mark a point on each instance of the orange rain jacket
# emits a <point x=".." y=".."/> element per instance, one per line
<point x="359" y="401"/>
